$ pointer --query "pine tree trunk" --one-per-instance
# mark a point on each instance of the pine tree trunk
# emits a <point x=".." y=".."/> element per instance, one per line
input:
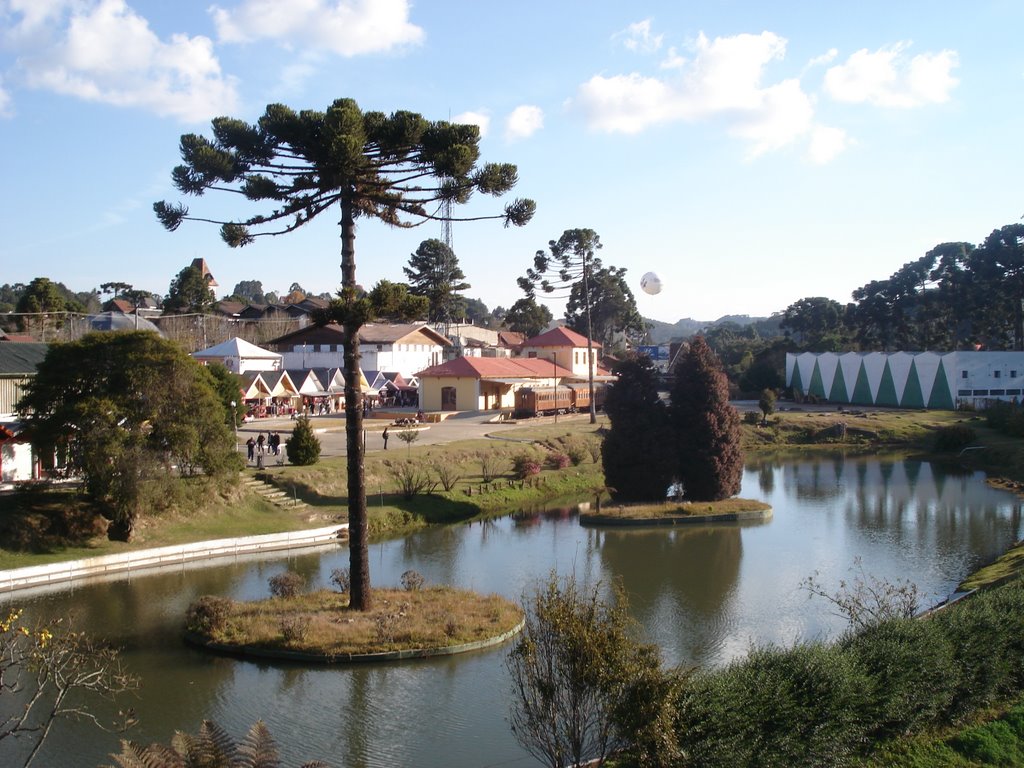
<point x="359" y="556"/>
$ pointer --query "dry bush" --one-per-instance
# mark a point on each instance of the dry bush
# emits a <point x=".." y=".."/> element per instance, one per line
<point x="286" y="585"/>
<point x="413" y="581"/>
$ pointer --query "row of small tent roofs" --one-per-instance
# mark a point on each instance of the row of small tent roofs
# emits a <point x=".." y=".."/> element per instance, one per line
<point x="321" y="382"/>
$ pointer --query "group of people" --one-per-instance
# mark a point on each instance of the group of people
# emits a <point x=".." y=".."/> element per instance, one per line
<point x="263" y="444"/>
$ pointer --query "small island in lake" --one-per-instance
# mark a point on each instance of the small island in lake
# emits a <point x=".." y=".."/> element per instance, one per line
<point x="678" y="513"/>
<point x="319" y="626"/>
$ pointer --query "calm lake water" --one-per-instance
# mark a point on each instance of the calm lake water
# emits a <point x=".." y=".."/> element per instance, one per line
<point x="703" y="594"/>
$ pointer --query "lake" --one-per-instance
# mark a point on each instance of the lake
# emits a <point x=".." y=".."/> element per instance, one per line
<point x="703" y="594"/>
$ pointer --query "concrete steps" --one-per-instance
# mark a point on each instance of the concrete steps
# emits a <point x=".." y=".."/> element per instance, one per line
<point x="272" y="493"/>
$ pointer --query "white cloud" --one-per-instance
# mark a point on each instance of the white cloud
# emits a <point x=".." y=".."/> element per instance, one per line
<point x="524" y="121"/>
<point x="826" y="58"/>
<point x="295" y="74"/>
<point x="889" y="78"/>
<point x="33" y="14"/>
<point x="724" y="79"/>
<point x="625" y="103"/>
<point x="345" y="27"/>
<point x="723" y="75"/>
<point x="785" y="114"/>
<point x="5" y="101"/>
<point x="480" y="119"/>
<point x="673" y="60"/>
<point x="826" y="143"/>
<point x="105" y="52"/>
<point x="637" y="37"/>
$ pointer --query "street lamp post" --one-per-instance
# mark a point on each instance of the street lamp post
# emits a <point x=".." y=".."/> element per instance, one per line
<point x="234" y="422"/>
<point x="554" y="382"/>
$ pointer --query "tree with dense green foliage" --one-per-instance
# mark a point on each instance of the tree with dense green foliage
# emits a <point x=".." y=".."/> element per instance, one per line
<point x="571" y="260"/>
<point x="228" y="387"/>
<point x="124" y="408"/>
<point x="528" y="317"/>
<point x="1000" y="266"/>
<point x="212" y="747"/>
<point x="43" y="305"/>
<point x="477" y="313"/>
<point x="395" y="303"/>
<point x="766" y="367"/>
<point x="614" y="318"/>
<point x="189" y="292"/>
<point x="435" y="274"/>
<point x="400" y="169"/>
<point x="250" y="291"/>
<point x="582" y="685"/>
<point x="817" y="324"/>
<point x="303" y="446"/>
<point x="639" y="463"/>
<point x="707" y="427"/>
<point x="9" y="295"/>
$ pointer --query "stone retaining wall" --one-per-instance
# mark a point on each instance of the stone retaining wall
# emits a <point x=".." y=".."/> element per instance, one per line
<point x="159" y="557"/>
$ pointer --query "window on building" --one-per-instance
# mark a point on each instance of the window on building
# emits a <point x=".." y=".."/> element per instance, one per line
<point x="531" y="354"/>
<point x="996" y="373"/>
<point x="1013" y="374"/>
<point x="963" y="374"/>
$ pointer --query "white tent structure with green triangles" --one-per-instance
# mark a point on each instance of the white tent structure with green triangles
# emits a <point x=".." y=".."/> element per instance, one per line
<point x="943" y="381"/>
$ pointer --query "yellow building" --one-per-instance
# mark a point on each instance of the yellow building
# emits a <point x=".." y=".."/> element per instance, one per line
<point x="565" y="347"/>
<point x="484" y="383"/>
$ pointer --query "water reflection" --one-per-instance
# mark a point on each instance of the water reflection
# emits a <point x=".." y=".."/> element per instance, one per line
<point x="703" y="594"/>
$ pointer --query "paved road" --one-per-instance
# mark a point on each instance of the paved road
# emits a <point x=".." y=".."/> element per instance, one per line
<point x="331" y="431"/>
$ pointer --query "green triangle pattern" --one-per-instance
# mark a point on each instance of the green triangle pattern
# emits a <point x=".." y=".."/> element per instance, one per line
<point x="797" y="384"/>
<point x="942" y="397"/>
<point x="887" y="388"/>
<point x="913" y="397"/>
<point x="838" y="393"/>
<point x="817" y="387"/>
<point x="862" y="389"/>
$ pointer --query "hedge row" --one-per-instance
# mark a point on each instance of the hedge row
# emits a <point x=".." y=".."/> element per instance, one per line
<point x="830" y="704"/>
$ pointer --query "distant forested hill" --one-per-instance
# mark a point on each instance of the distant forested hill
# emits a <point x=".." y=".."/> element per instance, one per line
<point x="767" y="327"/>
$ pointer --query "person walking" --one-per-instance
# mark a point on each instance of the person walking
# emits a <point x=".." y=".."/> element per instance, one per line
<point x="250" y="447"/>
<point x="385" y="436"/>
<point x="261" y="441"/>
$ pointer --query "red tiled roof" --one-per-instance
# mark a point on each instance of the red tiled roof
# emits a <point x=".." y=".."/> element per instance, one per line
<point x="496" y="368"/>
<point x="559" y="337"/>
<point x="510" y="338"/>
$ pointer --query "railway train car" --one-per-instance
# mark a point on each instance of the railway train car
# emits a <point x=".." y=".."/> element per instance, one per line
<point x="546" y="401"/>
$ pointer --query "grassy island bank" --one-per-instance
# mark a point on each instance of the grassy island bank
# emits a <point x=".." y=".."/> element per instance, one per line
<point x="319" y="627"/>
<point x="678" y="513"/>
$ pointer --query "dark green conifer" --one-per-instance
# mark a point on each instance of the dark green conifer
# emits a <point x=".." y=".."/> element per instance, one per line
<point x="303" y="446"/>
<point x="638" y="454"/>
<point x="706" y="426"/>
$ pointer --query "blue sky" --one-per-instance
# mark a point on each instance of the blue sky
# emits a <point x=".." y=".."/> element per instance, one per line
<point x="750" y="153"/>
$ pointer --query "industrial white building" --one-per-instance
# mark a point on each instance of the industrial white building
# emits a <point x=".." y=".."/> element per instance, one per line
<point x="937" y="380"/>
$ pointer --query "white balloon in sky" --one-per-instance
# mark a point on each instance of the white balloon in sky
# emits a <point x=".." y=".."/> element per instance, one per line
<point x="651" y="283"/>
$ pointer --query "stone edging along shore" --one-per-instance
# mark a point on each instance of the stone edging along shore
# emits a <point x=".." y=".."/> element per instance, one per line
<point x="247" y="651"/>
<point x="596" y="518"/>
<point x="161" y="557"/>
